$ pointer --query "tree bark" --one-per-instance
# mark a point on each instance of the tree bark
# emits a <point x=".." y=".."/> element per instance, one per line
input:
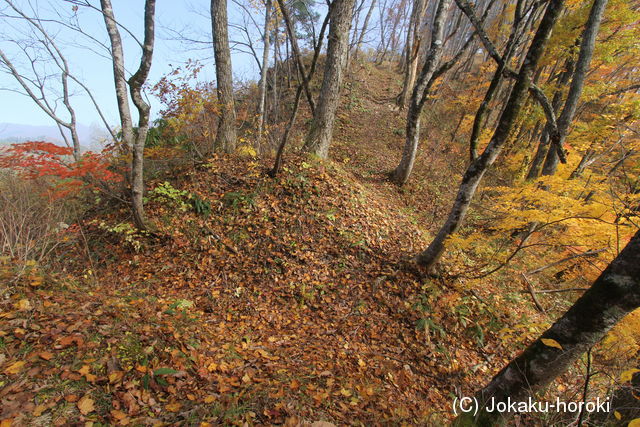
<point x="263" y="73"/>
<point x="513" y="40"/>
<point x="420" y="94"/>
<point x="589" y="35"/>
<point x="319" y="137"/>
<point x="612" y="296"/>
<point x="414" y="40"/>
<point x="476" y="170"/>
<point x="543" y="145"/>
<point x="302" y="70"/>
<point x="134" y="140"/>
<point x="277" y="164"/>
<point x="226" y="136"/>
<point x="363" y="31"/>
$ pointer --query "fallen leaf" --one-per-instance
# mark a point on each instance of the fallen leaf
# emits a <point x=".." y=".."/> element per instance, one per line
<point x="38" y="410"/>
<point x="551" y="343"/>
<point x="46" y="355"/>
<point x="86" y="405"/>
<point x="173" y="407"/>
<point x="626" y="376"/>
<point x="116" y="376"/>
<point x="24" y="305"/>
<point x="14" y="368"/>
<point x="118" y="415"/>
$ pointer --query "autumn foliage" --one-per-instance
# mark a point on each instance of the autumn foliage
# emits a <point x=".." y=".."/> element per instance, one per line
<point x="40" y="159"/>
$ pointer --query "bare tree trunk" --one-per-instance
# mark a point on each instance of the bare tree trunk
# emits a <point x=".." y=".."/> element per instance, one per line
<point x="414" y="40"/>
<point x="543" y="145"/>
<point x="263" y="73"/>
<point x="297" y="55"/>
<point x="476" y="170"/>
<point x="226" y="136"/>
<point x="589" y="35"/>
<point x="419" y="95"/>
<point x="483" y="110"/>
<point x="319" y="138"/>
<point x="135" y="140"/>
<point x="363" y="31"/>
<point x="612" y="296"/>
<point x="277" y="164"/>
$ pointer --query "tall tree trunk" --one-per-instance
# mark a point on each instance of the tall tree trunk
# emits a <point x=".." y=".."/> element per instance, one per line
<point x="420" y="94"/>
<point x="543" y="145"/>
<point x="612" y="296"/>
<point x="263" y="72"/>
<point x="513" y="40"/>
<point x="135" y="83"/>
<point x="226" y="136"/>
<point x="412" y="52"/>
<point x="575" y="90"/>
<point x="476" y="170"/>
<point x="363" y="31"/>
<point x="277" y="164"/>
<point x="319" y="138"/>
<point x="302" y="70"/>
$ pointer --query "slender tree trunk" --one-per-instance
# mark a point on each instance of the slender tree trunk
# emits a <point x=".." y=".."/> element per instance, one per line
<point x="419" y="95"/>
<point x="514" y="37"/>
<point x="226" y="136"/>
<point x="302" y="71"/>
<point x="577" y="83"/>
<point x="276" y="68"/>
<point x="277" y="164"/>
<point x="543" y="145"/>
<point x="365" y="26"/>
<point x="319" y="138"/>
<point x="412" y="51"/>
<point x="612" y="296"/>
<point x="263" y="73"/>
<point x="476" y="170"/>
<point x="134" y="140"/>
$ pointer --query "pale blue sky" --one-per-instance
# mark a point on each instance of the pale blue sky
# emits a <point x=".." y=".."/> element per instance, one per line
<point x="185" y="17"/>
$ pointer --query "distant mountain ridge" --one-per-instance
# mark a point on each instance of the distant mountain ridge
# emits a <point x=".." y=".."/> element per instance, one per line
<point x="14" y="132"/>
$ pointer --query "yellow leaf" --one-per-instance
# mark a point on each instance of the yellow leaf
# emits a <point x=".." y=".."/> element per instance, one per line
<point x="115" y="376"/>
<point x="634" y="423"/>
<point x="618" y="415"/>
<point x="85" y="405"/>
<point x="38" y="410"/>
<point x="84" y="370"/>
<point x="209" y="399"/>
<point x="24" y="305"/>
<point x="551" y="343"/>
<point x="627" y="375"/>
<point x="15" y="368"/>
<point x="173" y="407"/>
<point x="6" y="423"/>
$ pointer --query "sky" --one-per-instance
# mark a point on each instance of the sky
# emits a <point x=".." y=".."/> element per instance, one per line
<point x="188" y="18"/>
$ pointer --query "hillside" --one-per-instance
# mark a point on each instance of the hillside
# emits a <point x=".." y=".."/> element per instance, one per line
<point x="261" y="301"/>
<point x="292" y="301"/>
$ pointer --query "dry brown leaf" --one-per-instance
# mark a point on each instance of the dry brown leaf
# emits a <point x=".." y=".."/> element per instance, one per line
<point x="86" y="405"/>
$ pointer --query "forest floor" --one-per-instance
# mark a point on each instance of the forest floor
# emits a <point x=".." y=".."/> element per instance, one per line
<point x="293" y="301"/>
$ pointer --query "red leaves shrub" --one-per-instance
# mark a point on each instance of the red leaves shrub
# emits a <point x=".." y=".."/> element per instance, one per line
<point x="38" y="159"/>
